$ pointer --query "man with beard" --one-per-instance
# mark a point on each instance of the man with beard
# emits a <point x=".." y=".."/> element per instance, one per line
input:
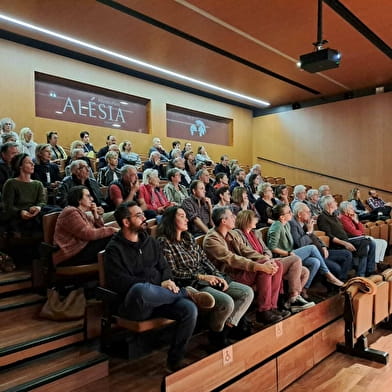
<point x="137" y="270"/>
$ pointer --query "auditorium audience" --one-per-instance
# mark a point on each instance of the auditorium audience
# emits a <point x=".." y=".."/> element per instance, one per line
<point x="354" y="228"/>
<point x="239" y="179"/>
<point x="312" y="201"/>
<point x="46" y="172"/>
<point x="27" y="144"/>
<point x="7" y="152"/>
<point x="299" y="195"/>
<point x="103" y="162"/>
<point x="23" y="198"/>
<point x="174" y="190"/>
<point x="378" y="205"/>
<point x="127" y="155"/>
<point x="7" y="126"/>
<point x="221" y="180"/>
<point x="223" y="166"/>
<point x="202" y="156"/>
<point x="355" y="199"/>
<point x="338" y="261"/>
<point x="88" y="148"/>
<point x="240" y="201"/>
<point x="190" y="165"/>
<point x="137" y="271"/>
<point x="154" y="162"/>
<point x="191" y="267"/>
<point x="110" y="139"/>
<point x="265" y="203"/>
<point x="292" y="269"/>
<point x="362" y="248"/>
<point x="152" y="194"/>
<point x="80" y="176"/>
<point x="157" y="146"/>
<point x="110" y="172"/>
<point x="57" y="152"/>
<point x="80" y="232"/>
<point x="223" y="196"/>
<point x="282" y="194"/>
<point x="255" y="169"/>
<point x="198" y="209"/>
<point x="281" y="242"/>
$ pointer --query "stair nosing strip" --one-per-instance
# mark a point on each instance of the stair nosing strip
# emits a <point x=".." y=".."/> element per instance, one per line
<point x="37" y="342"/>
<point x="21" y="280"/>
<point x="21" y="304"/>
<point x="57" y="375"/>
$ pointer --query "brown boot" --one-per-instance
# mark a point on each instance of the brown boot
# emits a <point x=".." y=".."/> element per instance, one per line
<point x="202" y="300"/>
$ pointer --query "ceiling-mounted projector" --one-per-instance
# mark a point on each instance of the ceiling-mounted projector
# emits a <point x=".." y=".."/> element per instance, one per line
<point x="320" y="60"/>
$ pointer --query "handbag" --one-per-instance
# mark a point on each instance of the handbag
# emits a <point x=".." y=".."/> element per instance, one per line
<point x="70" y="307"/>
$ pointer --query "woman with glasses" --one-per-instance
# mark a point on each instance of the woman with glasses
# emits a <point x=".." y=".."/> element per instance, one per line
<point x="265" y="203"/>
<point x="281" y="243"/>
<point x="80" y="232"/>
<point x="7" y="126"/>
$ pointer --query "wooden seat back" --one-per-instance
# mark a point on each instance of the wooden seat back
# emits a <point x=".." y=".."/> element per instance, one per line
<point x="199" y="240"/>
<point x="384" y="230"/>
<point x="381" y="299"/>
<point x="49" y="225"/>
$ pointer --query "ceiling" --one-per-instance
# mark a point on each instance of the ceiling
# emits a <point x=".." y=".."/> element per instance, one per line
<point x="247" y="46"/>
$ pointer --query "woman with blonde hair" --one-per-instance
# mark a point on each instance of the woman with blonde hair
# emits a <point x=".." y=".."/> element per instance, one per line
<point x="27" y="144"/>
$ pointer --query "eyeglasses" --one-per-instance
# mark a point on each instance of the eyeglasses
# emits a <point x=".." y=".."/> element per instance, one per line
<point x="138" y="215"/>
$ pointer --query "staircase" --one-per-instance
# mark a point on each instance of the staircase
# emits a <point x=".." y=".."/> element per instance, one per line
<point x="37" y="354"/>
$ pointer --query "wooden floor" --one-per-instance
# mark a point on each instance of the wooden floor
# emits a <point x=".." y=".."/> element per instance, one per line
<point x="337" y="373"/>
<point x="343" y="373"/>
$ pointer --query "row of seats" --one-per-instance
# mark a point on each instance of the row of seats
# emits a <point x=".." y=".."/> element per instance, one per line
<point x="367" y="303"/>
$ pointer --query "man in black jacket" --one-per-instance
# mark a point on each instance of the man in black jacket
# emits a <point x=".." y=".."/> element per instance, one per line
<point x="137" y="270"/>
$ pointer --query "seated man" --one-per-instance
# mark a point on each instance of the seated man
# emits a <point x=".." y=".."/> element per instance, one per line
<point x="157" y="146"/>
<point x="75" y="154"/>
<point x="154" y="162"/>
<point x="110" y="139"/>
<point x="198" y="209"/>
<point x="223" y="166"/>
<point x="80" y="176"/>
<point x="364" y="250"/>
<point x="227" y="249"/>
<point x="378" y="205"/>
<point x="88" y="148"/>
<point x="339" y="261"/>
<point x="137" y="270"/>
<point x="299" y="195"/>
<point x="7" y="152"/>
<point x="204" y="176"/>
<point x="239" y="179"/>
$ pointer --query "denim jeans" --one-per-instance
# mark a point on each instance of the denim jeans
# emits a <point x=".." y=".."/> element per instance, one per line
<point x="312" y="259"/>
<point x="339" y="262"/>
<point x="230" y="305"/>
<point x="146" y="300"/>
<point x="367" y="264"/>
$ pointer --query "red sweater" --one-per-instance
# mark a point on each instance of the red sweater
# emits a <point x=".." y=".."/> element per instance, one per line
<point x="74" y="229"/>
<point x="353" y="229"/>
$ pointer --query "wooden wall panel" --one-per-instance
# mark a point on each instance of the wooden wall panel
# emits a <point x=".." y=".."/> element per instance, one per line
<point x="17" y="101"/>
<point x="348" y="139"/>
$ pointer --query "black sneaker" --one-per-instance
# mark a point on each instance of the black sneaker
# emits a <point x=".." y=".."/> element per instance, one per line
<point x="268" y="317"/>
<point x="282" y="312"/>
<point x="298" y="303"/>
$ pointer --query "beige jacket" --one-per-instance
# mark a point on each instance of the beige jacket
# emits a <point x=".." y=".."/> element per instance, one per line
<point x="231" y="252"/>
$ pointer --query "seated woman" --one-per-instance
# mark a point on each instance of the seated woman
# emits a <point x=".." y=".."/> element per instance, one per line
<point x="191" y="267"/>
<point x="57" y="152"/>
<point x="80" y="232"/>
<point x="174" y="191"/>
<point x="292" y="270"/>
<point x="265" y="203"/>
<point x="202" y="156"/>
<point x="190" y="163"/>
<point x="151" y="192"/>
<point x="23" y="198"/>
<point x="312" y="201"/>
<point x="240" y="201"/>
<point x="221" y="180"/>
<point x="78" y="154"/>
<point x="281" y="242"/>
<point x="128" y="156"/>
<point x="355" y="199"/>
<point x="254" y="182"/>
<point x="111" y="172"/>
<point x="362" y="249"/>
<point x="46" y="172"/>
<point x="282" y="194"/>
<point x="27" y="144"/>
<point x="354" y="228"/>
<point x="223" y="195"/>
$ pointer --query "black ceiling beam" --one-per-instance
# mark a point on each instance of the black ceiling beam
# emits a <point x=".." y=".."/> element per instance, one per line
<point x="204" y="44"/>
<point x="358" y="25"/>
